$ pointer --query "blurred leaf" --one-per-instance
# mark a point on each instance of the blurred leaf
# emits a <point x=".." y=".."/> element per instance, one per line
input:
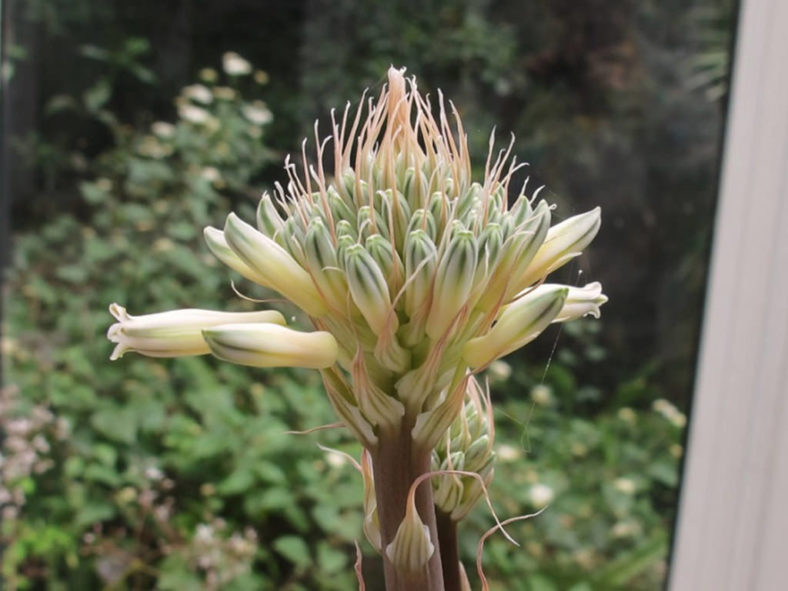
<point x="294" y="549"/>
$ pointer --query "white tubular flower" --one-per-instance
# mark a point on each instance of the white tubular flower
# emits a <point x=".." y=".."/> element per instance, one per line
<point x="273" y="265"/>
<point x="564" y="242"/>
<point x="580" y="301"/>
<point x="271" y="345"/>
<point x="234" y="65"/>
<point x="519" y="324"/>
<point x="177" y="333"/>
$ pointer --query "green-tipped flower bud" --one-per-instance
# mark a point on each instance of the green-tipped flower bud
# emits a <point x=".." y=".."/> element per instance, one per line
<point x="518" y="324"/>
<point x="275" y="267"/>
<point x="387" y="259"/>
<point x="268" y="220"/>
<point x="339" y="207"/>
<point x="453" y="283"/>
<point x="271" y="345"/>
<point x="421" y="259"/>
<point x="217" y="244"/>
<point x="563" y="242"/>
<point x="422" y="220"/>
<point x="368" y="288"/>
<point x="177" y="333"/>
<point x="321" y="259"/>
<point x="411" y="548"/>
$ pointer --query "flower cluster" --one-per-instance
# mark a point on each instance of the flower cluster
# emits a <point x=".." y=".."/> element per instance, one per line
<point x="411" y="271"/>
<point x="413" y="276"/>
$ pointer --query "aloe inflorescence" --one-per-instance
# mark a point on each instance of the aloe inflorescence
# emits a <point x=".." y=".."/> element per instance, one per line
<point x="414" y="277"/>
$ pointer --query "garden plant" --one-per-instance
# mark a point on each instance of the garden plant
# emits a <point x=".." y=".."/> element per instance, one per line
<point x="412" y="277"/>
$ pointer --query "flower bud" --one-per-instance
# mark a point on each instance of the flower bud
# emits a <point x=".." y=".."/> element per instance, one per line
<point x="275" y="267"/>
<point x="176" y="333"/>
<point x="422" y="220"/>
<point x="268" y="220"/>
<point x="519" y="323"/>
<point x="421" y="259"/>
<point x="517" y="252"/>
<point x="217" y="244"/>
<point x="271" y="345"/>
<point x="368" y="288"/>
<point x="453" y="283"/>
<point x="411" y="547"/>
<point x="321" y="259"/>
<point x="564" y="241"/>
<point x="387" y="259"/>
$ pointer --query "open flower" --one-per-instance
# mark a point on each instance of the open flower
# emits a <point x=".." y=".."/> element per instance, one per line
<point x="177" y="333"/>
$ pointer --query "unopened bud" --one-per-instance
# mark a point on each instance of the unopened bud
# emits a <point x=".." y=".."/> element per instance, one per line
<point x="564" y="241"/>
<point x="368" y="288"/>
<point x="277" y="269"/>
<point x="271" y="345"/>
<point x="520" y="323"/>
<point x="453" y="283"/>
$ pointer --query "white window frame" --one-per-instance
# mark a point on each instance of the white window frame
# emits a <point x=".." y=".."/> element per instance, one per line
<point x="732" y="531"/>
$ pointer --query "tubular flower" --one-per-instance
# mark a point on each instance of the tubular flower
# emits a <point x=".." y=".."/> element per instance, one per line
<point x="411" y="271"/>
<point x="177" y="333"/>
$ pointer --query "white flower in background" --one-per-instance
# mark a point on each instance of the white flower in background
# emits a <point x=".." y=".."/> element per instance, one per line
<point x="542" y="395"/>
<point x="198" y="93"/>
<point x="540" y="495"/>
<point x="625" y="485"/>
<point x="627" y="415"/>
<point x="257" y="113"/>
<point x="508" y="453"/>
<point x="234" y="65"/>
<point x="674" y="416"/>
<point x="211" y="174"/>
<point x="163" y="129"/>
<point x="193" y="114"/>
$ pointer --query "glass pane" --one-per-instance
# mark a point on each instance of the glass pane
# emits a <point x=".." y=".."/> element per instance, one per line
<point x="129" y="127"/>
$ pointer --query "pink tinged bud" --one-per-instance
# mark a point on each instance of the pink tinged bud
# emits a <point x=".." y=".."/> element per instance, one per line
<point x="519" y="324"/>
<point x="271" y="345"/>
<point x="273" y="265"/>
<point x="371" y="524"/>
<point x="411" y="547"/>
<point x="453" y="283"/>
<point x="369" y="290"/>
<point x="346" y="406"/>
<point x="176" y="333"/>
<point x="564" y="242"/>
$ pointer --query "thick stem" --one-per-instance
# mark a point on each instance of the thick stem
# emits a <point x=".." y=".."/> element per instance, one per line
<point x="450" y="552"/>
<point x="396" y="463"/>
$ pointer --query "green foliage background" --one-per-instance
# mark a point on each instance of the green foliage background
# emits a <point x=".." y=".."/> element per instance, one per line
<point x="181" y="474"/>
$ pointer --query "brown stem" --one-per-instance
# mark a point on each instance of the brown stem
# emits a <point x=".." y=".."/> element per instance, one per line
<point x="450" y="553"/>
<point x="396" y="463"/>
